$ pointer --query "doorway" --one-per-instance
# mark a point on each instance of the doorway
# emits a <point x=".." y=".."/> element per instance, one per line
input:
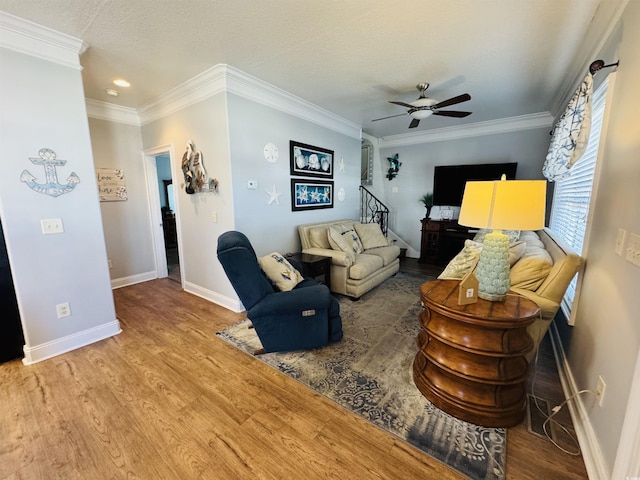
<point x="168" y="214"/>
<point x="164" y="212"/>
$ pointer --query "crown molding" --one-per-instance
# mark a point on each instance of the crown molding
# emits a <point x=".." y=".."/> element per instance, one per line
<point x="223" y="78"/>
<point x="491" y="127"/>
<point x="202" y="86"/>
<point x="40" y="42"/>
<point x="252" y="88"/>
<point x="112" y="112"/>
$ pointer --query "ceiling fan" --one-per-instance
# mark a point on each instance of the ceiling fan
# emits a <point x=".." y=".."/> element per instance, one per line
<point x="424" y="107"/>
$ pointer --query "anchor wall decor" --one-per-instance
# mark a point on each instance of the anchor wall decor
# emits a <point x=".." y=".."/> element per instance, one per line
<point x="47" y="157"/>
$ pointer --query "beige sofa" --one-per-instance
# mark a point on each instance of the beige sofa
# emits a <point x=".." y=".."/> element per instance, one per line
<point x="352" y="274"/>
<point x="542" y="268"/>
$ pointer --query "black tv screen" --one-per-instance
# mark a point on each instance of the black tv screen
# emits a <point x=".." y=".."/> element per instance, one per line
<point x="449" y="180"/>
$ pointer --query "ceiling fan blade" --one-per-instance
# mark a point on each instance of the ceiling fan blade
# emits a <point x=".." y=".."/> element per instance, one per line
<point x="452" y="101"/>
<point x="414" y="123"/>
<point x="452" y="113"/>
<point x="402" y="104"/>
<point x="390" y="116"/>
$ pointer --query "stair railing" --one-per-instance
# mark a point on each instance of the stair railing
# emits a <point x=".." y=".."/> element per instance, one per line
<point x="372" y="210"/>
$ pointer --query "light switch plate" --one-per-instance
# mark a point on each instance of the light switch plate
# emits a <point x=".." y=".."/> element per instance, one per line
<point x="633" y="250"/>
<point x="620" y="239"/>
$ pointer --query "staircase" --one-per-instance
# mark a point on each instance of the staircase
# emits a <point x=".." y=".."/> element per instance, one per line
<point x="372" y="210"/>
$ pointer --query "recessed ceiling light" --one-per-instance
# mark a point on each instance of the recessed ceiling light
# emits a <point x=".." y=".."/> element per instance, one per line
<point x="112" y="92"/>
<point x="121" y="82"/>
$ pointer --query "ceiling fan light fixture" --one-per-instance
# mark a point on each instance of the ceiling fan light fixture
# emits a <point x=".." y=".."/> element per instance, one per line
<point x="421" y="114"/>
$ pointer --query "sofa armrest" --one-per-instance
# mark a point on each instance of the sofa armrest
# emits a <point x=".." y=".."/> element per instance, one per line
<point x="548" y="307"/>
<point x="337" y="257"/>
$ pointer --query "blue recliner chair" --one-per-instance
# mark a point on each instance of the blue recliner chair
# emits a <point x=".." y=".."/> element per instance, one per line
<point x="305" y="317"/>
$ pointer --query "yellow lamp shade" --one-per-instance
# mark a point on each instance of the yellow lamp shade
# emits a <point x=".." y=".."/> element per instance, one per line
<point x="504" y="204"/>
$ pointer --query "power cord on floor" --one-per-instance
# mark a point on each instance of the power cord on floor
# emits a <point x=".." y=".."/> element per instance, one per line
<point x="555" y="410"/>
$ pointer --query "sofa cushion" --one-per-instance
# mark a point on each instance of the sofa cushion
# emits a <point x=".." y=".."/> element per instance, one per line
<point x="370" y="235"/>
<point x="388" y="253"/>
<point x="364" y="266"/>
<point x="318" y="237"/>
<point x="531" y="270"/>
<point x="279" y="271"/>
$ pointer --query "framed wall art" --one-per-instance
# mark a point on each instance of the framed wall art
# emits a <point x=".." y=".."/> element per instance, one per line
<point x="310" y="161"/>
<point x="311" y="194"/>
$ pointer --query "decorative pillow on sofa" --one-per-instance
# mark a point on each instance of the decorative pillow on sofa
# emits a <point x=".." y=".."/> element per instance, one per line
<point x="280" y="272"/>
<point x="370" y="235"/>
<point x="463" y="262"/>
<point x="344" y="239"/>
<point x="468" y="257"/>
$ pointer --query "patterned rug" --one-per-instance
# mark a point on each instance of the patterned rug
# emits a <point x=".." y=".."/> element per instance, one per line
<point x="370" y="373"/>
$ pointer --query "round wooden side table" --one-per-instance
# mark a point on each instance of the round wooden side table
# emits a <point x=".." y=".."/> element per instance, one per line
<point x="471" y="360"/>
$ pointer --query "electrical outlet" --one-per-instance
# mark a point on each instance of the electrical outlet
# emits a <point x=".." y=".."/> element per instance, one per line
<point x="600" y="389"/>
<point x="252" y="184"/>
<point x="51" y="225"/>
<point x="620" y="239"/>
<point x="63" y="310"/>
<point x="110" y="264"/>
<point x="214" y="217"/>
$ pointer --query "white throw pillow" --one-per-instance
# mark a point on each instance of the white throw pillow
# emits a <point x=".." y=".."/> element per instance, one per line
<point x="370" y="235"/>
<point x="350" y="242"/>
<point x="280" y="272"/>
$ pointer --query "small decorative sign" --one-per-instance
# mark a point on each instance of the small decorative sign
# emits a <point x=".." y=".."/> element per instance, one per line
<point x="468" y="289"/>
<point x="111" y="185"/>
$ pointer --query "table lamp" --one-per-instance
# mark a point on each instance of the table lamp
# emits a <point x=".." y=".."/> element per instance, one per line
<point x="501" y="205"/>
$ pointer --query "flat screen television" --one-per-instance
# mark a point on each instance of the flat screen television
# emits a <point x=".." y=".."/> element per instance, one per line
<point x="449" y="180"/>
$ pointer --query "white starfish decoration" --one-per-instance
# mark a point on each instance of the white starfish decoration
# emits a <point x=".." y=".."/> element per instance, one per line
<point x="273" y="195"/>
<point x="341" y="164"/>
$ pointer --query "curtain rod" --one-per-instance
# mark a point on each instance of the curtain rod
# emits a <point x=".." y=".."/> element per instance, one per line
<point x="599" y="65"/>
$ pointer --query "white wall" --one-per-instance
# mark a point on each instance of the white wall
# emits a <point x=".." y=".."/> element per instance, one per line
<point x="126" y="223"/>
<point x="527" y="147"/>
<point x="606" y="337"/>
<point x="205" y="123"/>
<point x="43" y="107"/>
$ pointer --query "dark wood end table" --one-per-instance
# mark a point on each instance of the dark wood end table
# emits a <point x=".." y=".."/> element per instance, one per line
<point x="471" y="359"/>
<point x="314" y="266"/>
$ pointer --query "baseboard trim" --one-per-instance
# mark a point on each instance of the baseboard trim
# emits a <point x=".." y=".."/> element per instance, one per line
<point x="133" y="279"/>
<point x="232" y="304"/>
<point x="587" y="438"/>
<point x="70" y="342"/>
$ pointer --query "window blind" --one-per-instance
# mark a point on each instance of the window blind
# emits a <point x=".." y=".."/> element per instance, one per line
<point x="572" y="194"/>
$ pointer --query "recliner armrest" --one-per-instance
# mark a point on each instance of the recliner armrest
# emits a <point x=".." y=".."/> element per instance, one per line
<point x="293" y="302"/>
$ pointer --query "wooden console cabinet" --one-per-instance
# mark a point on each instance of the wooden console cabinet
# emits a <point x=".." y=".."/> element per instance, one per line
<point x="441" y="240"/>
<point x="471" y="360"/>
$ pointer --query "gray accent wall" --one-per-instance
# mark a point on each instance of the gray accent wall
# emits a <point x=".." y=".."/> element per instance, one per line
<point x="273" y="227"/>
<point x="43" y="106"/>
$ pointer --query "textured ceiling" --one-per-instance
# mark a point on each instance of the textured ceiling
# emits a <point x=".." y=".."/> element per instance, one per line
<point x="347" y="56"/>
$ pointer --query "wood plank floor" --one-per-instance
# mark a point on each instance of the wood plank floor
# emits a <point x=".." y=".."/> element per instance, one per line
<point x="166" y="399"/>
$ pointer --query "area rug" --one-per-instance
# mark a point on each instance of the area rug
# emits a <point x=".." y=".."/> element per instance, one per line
<point x="370" y="373"/>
